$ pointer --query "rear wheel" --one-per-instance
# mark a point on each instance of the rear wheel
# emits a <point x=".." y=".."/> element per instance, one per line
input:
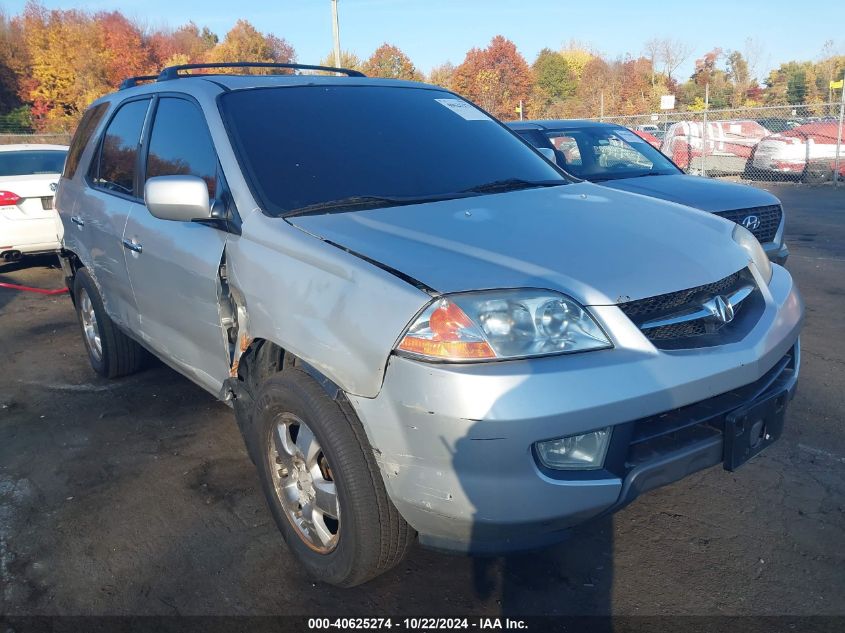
<point x="322" y="483"/>
<point x="111" y="352"/>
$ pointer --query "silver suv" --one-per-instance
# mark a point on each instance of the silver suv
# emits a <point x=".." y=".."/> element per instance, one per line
<point x="423" y="326"/>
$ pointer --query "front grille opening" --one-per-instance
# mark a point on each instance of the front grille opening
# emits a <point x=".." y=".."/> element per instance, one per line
<point x="684" y="330"/>
<point x="763" y="223"/>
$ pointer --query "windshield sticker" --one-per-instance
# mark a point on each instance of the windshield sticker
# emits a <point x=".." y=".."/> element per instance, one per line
<point x="463" y="109"/>
<point x="625" y="135"/>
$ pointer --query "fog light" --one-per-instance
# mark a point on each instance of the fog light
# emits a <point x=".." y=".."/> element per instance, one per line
<point x="575" y="452"/>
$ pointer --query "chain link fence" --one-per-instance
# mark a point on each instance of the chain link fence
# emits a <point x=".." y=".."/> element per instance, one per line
<point x="799" y="143"/>
<point x="61" y="138"/>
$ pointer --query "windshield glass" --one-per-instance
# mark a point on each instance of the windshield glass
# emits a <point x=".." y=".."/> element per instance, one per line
<point x="341" y="148"/>
<point x="606" y="153"/>
<point x="26" y="162"/>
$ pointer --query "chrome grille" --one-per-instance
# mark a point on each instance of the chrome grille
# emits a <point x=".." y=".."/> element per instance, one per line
<point x="671" y="319"/>
<point x="646" y="309"/>
<point x="769" y="218"/>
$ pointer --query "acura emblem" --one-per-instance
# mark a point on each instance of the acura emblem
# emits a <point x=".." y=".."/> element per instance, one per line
<point x="721" y="309"/>
<point x="751" y="222"/>
<point x="53" y="186"/>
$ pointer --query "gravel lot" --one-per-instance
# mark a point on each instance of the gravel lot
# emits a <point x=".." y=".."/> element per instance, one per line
<point x="137" y="497"/>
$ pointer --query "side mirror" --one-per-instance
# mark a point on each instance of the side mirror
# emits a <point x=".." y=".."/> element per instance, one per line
<point x="549" y="153"/>
<point x="178" y="198"/>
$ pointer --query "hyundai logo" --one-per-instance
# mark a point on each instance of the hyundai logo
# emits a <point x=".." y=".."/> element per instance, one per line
<point x="53" y="186"/>
<point x="720" y="308"/>
<point x="751" y="222"/>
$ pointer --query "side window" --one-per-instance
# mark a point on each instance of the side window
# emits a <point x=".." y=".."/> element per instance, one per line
<point x="181" y="144"/>
<point x="568" y="147"/>
<point x="117" y="163"/>
<point x="90" y="120"/>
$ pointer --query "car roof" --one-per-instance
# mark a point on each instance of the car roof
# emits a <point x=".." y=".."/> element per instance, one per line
<point x="22" y="147"/>
<point x="558" y="124"/>
<point x="227" y="82"/>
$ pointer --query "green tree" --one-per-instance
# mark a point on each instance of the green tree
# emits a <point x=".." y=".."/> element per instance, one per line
<point x="553" y="76"/>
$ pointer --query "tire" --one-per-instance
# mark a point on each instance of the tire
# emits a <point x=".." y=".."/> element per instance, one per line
<point x="117" y="355"/>
<point x="817" y="176"/>
<point x="371" y="537"/>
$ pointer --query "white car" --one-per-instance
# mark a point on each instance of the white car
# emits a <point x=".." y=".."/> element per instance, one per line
<point x="29" y="175"/>
<point x="807" y="151"/>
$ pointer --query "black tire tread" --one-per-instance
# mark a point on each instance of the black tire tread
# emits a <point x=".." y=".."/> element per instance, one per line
<point x="362" y="478"/>
<point x="122" y="355"/>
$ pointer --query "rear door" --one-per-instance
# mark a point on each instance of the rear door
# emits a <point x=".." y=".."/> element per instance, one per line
<point x="174" y="266"/>
<point x="101" y="209"/>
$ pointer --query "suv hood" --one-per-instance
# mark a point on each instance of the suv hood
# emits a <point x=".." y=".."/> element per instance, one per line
<point x="595" y="244"/>
<point x="694" y="191"/>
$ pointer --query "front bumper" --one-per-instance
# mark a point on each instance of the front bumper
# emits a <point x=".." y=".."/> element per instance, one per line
<point x="454" y="442"/>
<point x="777" y="252"/>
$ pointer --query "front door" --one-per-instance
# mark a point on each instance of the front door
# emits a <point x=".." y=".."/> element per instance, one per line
<point x="173" y="266"/>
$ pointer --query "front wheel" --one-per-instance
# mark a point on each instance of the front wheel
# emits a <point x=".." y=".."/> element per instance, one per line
<point x="322" y="483"/>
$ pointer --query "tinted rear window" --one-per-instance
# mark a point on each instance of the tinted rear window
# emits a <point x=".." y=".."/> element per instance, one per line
<point x="27" y="162"/>
<point x="309" y="145"/>
<point x="90" y="120"/>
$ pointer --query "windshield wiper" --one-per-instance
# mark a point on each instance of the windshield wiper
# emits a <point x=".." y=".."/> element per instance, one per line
<point x="513" y="184"/>
<point x="650" y="173"/>
<point x="354" y="203"/>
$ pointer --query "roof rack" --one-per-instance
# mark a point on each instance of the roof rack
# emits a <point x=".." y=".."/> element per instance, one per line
<point x="131" y="82"/>
<point x="172" y="72"/>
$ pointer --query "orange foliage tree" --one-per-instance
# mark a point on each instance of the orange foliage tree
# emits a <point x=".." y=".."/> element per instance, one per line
<point x="496" y="77"/>
<point x="390" y="62"/>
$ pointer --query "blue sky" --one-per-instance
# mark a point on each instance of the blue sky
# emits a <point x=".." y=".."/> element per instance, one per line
<point x="434" y="31"/>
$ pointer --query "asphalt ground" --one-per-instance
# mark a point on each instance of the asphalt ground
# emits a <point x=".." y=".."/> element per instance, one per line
<point x="136" y="497"/>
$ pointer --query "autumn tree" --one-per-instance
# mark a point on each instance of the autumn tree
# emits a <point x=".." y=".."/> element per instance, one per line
<point x="348" y="59"/>
<point x="12" y="63"/>
<point x="577" y="55"/>
<point x="390" y="62"/>
<point x="442" y="75"/>
<point x="244" y="43"/>
<point x="124" y="54"/>
<point x="68" y="59"/>
<point x="496" y="77"/>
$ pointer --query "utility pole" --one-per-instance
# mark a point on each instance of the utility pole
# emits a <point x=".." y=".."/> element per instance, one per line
<point x="336" y="34"/>
<point x="837" y="162"/>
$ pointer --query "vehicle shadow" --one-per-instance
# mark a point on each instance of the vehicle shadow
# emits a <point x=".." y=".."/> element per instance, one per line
<point x="571" y="578"/>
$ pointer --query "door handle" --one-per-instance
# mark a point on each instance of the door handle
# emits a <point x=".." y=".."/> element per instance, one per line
<point x="78" y="221"/>
<point x="132" y="245"/>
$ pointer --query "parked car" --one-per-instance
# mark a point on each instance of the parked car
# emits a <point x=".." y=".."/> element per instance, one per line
<point x="613" y="156"/>
<point x="807" y="152"/>
<point x="650" y="128"/>
<point x="779" y="124"/>
<point x="725" y="149"/>
<point x="423" y="326"/>
<point x="649" y="138"/>
<point x="29" y="175"/>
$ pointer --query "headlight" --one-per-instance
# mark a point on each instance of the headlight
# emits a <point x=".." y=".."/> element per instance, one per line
<point x="575" y="452"/>
<point x="746" y="239"/>
<point x="501" y="324"/>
